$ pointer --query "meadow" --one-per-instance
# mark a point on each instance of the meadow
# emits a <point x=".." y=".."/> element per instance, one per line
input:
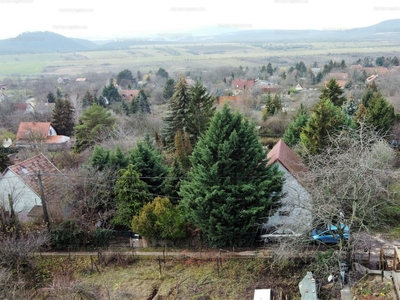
<point x="182" y="57"/>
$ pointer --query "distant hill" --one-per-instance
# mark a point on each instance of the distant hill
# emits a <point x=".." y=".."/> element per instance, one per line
<point x="41" y="42"/>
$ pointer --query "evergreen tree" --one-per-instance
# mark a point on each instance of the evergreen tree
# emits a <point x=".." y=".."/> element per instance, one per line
<point x="168" y="89"/>
<point x="333" y="92"/>
<point x="178" y="115"/>
<point x="201" y="110"/>
<point x="125" y="108"/>
<point x="148" y="162"/>
<point x="124" y="77"/>
<point x="88" y="99"/>
<point x="118" y="159"/>
<point x="230" y="185"/>
<point x="131" y="195"/>
<point x="270" y="71"/>
<point x="291" y="136"/>
<point x="110" y="92"/>
<point x="143" y="106"/>
<point x="95" y="125"/>
<point x="380" y="114"/>
<point x="161" y="72"/>
<point x="63" y="117"/>
<point x="326" y="119"/>
<point x="58" y="93"/>
<point x="172" y="182"/>
<point x="100" y="158"/>
<point x="51" y="98"/>
<point x="101" y="101"/>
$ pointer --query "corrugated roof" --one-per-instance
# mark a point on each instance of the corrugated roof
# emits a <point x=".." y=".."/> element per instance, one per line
<point x="27" y="128"/>
<point x="26" y="171"/>
<point x="290" y="160"/>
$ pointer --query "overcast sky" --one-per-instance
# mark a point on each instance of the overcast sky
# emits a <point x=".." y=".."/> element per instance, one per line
<point x="128" y="19"/>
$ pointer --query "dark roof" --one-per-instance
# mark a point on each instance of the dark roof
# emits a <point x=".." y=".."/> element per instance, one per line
<point x="26" y="171"/>
<point x="290" y="160"/>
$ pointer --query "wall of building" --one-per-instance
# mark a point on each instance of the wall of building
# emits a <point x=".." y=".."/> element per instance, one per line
<point x="24" y="198"/>
<point x="295" y="212"/>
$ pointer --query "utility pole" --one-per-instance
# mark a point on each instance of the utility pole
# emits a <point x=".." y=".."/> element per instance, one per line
<point x="45" y="213"/>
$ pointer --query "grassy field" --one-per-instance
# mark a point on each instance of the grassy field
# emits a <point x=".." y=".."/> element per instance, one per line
<point x="180" y="57"/>
<point x="177" y="278"/>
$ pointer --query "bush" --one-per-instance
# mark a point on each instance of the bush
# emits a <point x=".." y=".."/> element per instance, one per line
<point x="69" y="235"/>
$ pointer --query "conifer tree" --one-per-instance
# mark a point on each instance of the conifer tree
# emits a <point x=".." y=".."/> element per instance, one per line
<point x="143" y="106"/>
<point x="230" y="186"/>
<point x="148" y="162"/>
<point x="178" y="116"/>
<point x="95" y="125"/>
<point x="291" y="136"/>
<point x="333" y="92"/>
<point x="63" y="117"/>
<point x="326" y="120"/>
<point x="131" y="194"/>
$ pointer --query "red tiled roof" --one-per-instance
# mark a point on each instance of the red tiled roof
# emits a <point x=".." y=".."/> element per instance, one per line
<point x="26" y="128"/>
<point x="290" y="160"/>
<point x="26" y="171"/>
<point x="242" y="84"/>
<point x="129" y="94"/>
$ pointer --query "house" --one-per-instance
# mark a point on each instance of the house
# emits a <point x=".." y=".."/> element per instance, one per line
<point x="338" y="76"/>
<point x="80" y="79"/>
<point x="3" y="86"/>
<point x="128" y="95"/>
<point x="376" y="70"/>
<point x="21" y="182"/>
<point x="356" y="67"/>
<point x="295" y="210"/>
<point x="33" y="134"/>
<point x="63" y="80"/>
<point x="298" y="87"/>
<point x="25" y="107"/>
<point x="240" y="84"/>
<point x="44" y="108"/>
<point x="227" y="99"/>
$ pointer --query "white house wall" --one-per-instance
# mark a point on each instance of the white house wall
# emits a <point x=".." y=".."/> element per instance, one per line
<point x="296" y="202"/>
<point x="24" y="198"/>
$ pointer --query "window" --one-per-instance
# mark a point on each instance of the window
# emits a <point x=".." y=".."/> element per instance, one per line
<point x="284" y="213"/>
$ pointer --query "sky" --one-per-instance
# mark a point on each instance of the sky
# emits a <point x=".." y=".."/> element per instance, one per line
<point x="97" y="20"/>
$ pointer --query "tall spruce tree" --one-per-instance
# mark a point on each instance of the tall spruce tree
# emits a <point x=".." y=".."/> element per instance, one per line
<point x="178" y="116"/>
<point x="201" y="110"/>
<point x="63" y="117"/>
<point x="230" y="186"/>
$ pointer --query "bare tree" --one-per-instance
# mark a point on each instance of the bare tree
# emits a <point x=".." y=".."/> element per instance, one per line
<point x="350" y="184"/>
